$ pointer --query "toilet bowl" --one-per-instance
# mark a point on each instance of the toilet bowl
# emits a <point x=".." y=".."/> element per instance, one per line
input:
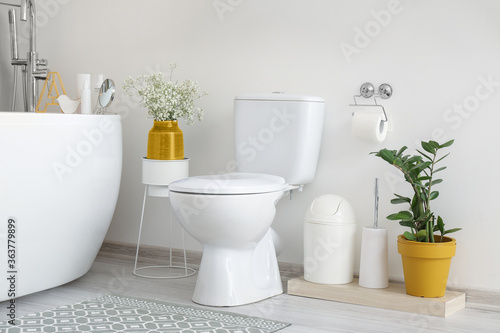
<point x="277" y="140"/>
<point x="231" y="216"/>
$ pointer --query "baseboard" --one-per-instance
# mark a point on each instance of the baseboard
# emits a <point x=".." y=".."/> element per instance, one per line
<point x="477" y="299"/>
<point x="149" y="253"/>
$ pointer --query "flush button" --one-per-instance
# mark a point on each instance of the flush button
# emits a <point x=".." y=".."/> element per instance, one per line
<point x="278" y="92"/>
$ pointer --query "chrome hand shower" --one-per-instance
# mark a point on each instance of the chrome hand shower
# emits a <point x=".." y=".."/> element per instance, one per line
<point x="14" y="53"/>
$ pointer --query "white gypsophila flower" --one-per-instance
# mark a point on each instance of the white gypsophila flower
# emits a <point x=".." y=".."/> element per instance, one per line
<point x="166" y="100"/>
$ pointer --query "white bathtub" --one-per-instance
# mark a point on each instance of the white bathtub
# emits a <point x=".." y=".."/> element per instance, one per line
<point x="59" y="182"/>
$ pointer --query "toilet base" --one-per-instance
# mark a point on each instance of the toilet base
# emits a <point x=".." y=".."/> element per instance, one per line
<point x="231" y="276"/>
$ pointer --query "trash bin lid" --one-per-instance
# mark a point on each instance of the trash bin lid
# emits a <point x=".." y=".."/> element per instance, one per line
<point x="330" y="209"/>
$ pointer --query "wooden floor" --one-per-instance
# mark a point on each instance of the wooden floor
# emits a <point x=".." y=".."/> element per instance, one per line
<point x="112" y="273"/>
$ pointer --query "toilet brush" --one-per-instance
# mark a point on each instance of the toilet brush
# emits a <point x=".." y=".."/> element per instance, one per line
<point x="374" y="257"/>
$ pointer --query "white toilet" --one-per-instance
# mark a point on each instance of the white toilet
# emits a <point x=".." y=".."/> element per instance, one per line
<point x="277" y="140"/>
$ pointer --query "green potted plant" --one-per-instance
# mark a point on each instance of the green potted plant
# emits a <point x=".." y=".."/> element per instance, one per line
<point x="166" y="102"/>
<point x="426" y="257"/>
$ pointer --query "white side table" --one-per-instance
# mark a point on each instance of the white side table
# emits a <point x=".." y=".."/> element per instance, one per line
<point x="156" y="176"/>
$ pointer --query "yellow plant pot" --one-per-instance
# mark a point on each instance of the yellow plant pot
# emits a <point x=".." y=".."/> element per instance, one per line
<point x="165" y="141"/>
<point x="426" y="265"/>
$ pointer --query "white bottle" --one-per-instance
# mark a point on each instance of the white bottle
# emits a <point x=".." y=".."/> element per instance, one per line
<point x="85" y="99"/>
<point x="80" y="82"/>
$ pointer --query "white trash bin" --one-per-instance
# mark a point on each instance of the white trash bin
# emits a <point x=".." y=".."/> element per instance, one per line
<point x="329" y="235"/>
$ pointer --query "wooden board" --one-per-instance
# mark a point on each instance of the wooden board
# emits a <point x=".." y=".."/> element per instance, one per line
<point x="393" y="298"/>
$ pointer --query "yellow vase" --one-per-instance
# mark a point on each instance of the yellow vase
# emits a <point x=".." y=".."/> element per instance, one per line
<point x="165" y="141"/>
<point x="426" y="265"/>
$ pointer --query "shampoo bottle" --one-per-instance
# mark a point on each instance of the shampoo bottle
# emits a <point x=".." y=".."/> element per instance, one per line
<point x="85" y="99"/>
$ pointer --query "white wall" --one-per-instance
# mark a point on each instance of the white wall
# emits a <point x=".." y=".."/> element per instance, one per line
<point x="435" y="54"/>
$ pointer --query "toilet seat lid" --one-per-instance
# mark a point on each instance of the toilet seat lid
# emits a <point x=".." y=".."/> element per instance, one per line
<point x="229" y="183"/>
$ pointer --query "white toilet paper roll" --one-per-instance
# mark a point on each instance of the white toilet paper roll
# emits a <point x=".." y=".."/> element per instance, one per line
<point x="368" y="124"/>
<point x="374" y="258"/>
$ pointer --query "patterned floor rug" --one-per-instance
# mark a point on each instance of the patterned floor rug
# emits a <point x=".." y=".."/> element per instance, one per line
<point x="112" y="313"/>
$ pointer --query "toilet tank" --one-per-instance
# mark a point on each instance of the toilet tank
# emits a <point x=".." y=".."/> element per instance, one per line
<point x="279" y="134"/>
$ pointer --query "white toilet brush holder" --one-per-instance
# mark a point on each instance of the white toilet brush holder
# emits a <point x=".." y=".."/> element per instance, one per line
<point x="373" y="267"/>
<point x="374" y="258"/>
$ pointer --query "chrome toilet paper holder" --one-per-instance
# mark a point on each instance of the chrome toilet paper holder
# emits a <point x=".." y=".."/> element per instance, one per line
<point x="367" y="90"/>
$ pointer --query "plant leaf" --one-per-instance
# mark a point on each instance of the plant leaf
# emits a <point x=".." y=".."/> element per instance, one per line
<point x="436" y="181"/>
<point x="401" y="151"/>
<point x="400" y="199"/>
<point x="423" y="196"/>
<point x="433" y="144"/>
<point x="425" y="155"/>
<point x="407" y="223"/>
<point x="452" y="230"/>
<point x="409" y="236"/>
<point x="386" y="155"/>
<point x="414" y="159"/>
<point x="440" y="225"/>
<point x="442" y="158"/>
<point x="428" y="148"/>
<point x="421" y="166"/>
<point x="433" y="195"/>
<point x="421" y="235"/>
<point x="402" y="215"/>
<point x="447" y="144"/>
<point x="440" y="169"/>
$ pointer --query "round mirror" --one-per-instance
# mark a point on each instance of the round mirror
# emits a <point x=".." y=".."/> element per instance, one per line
<point x="107" y="93"/>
